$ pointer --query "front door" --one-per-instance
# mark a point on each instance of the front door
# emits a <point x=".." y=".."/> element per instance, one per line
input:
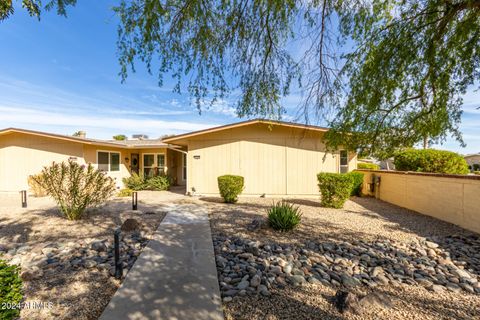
<point x="135" y="166"/>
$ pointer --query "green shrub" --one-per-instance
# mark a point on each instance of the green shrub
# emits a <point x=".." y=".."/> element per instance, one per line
<point x="476" y="172"/>
<point x="476" y="167"/>
<point x="230" y="187"/>
<point x="357" y="178"/>
<point x="335" y="188"/>
<point x="35" y="186"/>
<point x="134" y="182"/>
<point x="124" y="192"/>
<point x="10" y="291"/>
<point x="158" y="183"/>
<point x="368" y="166"/>
<point x="430" y="160"/>
<point x="284" y="216"/>
<point x="139" y="182"/>
<point x="76" y="187"/>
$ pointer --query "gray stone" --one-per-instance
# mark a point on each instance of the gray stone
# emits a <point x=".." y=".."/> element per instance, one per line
<point x="349" y="282"/>
<point x="244" y="284"/>
<point x="255" y="281"/>
<point x="227" y="299"/>
<point x="98" y="246"/>
<point x="453" y="287"/>
<point x="437" y="288"/>
<point x="297" y="280"/>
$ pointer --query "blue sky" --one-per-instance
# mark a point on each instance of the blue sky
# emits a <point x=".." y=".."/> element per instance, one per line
<point x="61" y="75"/>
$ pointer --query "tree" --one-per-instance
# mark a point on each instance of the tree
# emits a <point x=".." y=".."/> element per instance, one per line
<point x="411" y="64"/>
<point x="400" y="84"/>
<point x="34" y="7"/>
<point x="120" y="137"/>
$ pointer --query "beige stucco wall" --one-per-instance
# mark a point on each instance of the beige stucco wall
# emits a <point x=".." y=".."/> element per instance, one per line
<point x="22" y="155"/>
<point x="452" y="199"/>
<point x="273" y="160"/>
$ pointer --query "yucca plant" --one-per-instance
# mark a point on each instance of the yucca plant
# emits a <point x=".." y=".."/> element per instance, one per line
<point x="284" y="216"/>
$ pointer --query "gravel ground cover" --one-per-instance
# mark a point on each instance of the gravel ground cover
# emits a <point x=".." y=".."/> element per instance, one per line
<point x="68" y="265"/>
<point x="427" y="268"/>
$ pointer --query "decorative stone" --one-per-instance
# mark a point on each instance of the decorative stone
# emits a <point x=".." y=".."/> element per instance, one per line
<point x="130" y="225"/>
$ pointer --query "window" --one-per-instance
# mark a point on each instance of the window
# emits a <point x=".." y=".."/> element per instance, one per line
<point x="184" y="176"/>
<point x="161" y="163"/>
<point x="153" y="164"/>
<point x="343" y="161"/>
<point x="108" y="161"/>
<point x="148" y="164"/>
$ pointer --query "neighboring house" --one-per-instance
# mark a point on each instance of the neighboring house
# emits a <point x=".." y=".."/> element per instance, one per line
<point x="275" y="158"/>
<point x="473" y="159"/>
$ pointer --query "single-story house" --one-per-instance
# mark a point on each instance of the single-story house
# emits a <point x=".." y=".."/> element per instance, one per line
<point x="473" y="159"/>
<point x="274" y="157"/>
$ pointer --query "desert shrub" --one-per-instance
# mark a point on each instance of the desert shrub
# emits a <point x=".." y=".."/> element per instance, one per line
<point x="284" y="216"/>
<point x="135" y="182"/>
<point x="430" y="160"/>
<point x="76" y="187"/>
<point x="10" y="291"/>
<point x="124" y="192"/>
<point x="35" y="186"/>
<point x="230" y="187"/>
<point x="335" y="188"/>
<point x="158" y="183"/>
<point x="476" y="172"/>
<point x="357" y="179"/>
<point x="368" y="166"/>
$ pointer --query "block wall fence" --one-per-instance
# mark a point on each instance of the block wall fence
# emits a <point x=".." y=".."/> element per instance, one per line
<point x="452" y="198"/>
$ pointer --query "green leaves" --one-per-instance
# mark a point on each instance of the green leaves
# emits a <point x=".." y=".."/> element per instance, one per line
<point x="284" y="216"/>
<point x="230" y="186"/>
<point x="335" y="188"/>
<point x="75" y="187"/>
<point x="411" y="64"/>
<point x="435" y="161"/>
<point x="10" y="291"/>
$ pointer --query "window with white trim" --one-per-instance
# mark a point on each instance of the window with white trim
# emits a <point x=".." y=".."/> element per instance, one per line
<point x="108" y="161"/>
<point x="343" y="161"/>
<point x="184" y="162"/>
<point x="153" y="164"/>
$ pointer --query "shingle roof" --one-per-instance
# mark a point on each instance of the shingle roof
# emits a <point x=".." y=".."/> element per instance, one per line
<point x="113" y="143"/>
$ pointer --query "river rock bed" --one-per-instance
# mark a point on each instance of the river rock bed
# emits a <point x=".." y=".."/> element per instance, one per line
<point x="247" y="267"/>
<point x="64" y="256"/>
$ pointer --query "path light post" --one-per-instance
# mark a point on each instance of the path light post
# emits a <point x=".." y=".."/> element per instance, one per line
<point x="23" y="194"/>
<point x="118" y="263"/>
<point x="134" y="200"/>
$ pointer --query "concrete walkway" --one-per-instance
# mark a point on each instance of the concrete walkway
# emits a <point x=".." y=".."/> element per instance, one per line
<point x="175" y="276"/>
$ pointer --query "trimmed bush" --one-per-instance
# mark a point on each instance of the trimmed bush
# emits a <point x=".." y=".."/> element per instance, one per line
<point x="284" y="216"/>
<point x="138" y="182"/>
<point x="335" y="188"/>
<point x="35" y="186"/>
<point x="124" y="193"/>
<point x="476" y="167"/>
<point x="430" y="160"/>
<point x="357" y="178"/>
<point x="368" y="166"/>
<point x="158" y="183"/>
<point x="230" y="187"/>
<point x="10" y="291"/>
<point x="135" y="182"/>
<point x="76" y="187"/>
<point x="476" y="172"/>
